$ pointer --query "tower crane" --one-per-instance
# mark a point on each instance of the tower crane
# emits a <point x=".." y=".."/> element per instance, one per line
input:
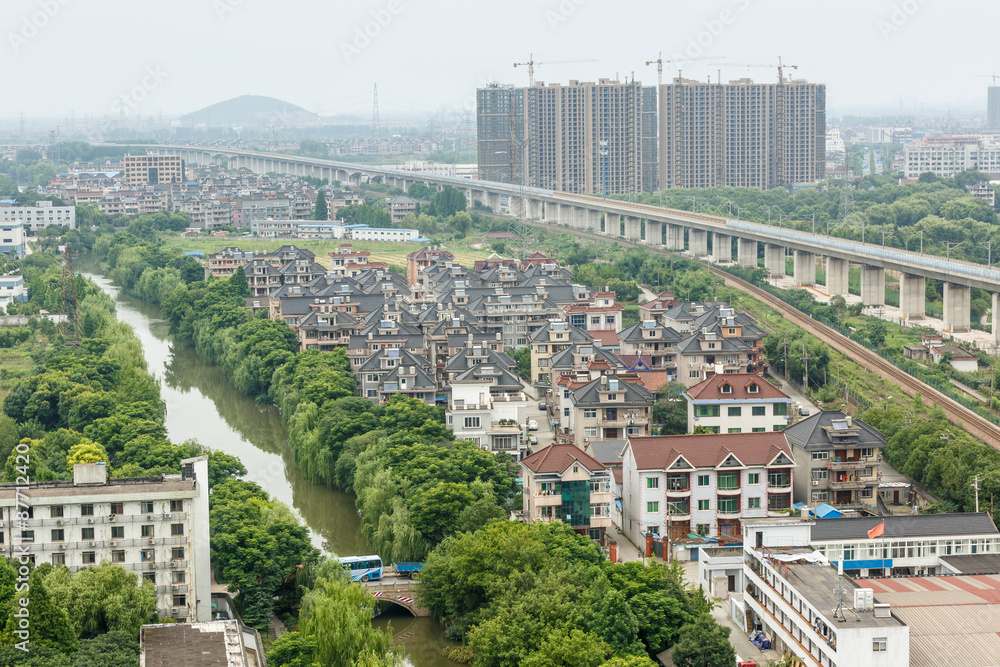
<point x="531" y="65"/>
<point x="781" y="67"/>
<point x="659" y="64"/>
<point x="993" y="76"/>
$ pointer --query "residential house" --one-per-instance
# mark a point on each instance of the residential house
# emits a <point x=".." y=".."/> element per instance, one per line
<point x="550" y="339"/>
<point x="737" y="403"/>
<point x="705" y="484"/>
<point x="607" y="408"/>
<point x="562" y="483"/>
<point x="839" y="458"/>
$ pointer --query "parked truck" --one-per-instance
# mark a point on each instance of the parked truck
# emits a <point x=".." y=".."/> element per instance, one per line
<point x="409" y="570"/>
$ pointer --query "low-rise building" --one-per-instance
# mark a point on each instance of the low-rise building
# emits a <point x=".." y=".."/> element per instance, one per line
<point x="706" y="484"/>
<point x="400" y="207"/>
<point x="225" y="643"/>
<point x="562" y="483"/>
<point x="487" y="406"/>
<point x="737" y="403"/>
<point x="607" y="408"/>
<point x="155" y="527"/>
<point x="12" y="288"/>
<point x="838" y="458"/>
<point x="12" y="240"/>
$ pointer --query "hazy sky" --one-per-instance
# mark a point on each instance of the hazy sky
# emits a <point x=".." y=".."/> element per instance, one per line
<point x="100" y="57"/>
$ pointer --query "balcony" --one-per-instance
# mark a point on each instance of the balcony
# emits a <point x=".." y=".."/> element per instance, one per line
<point x="548" y="499"/>
<point x="734" y="491"/>
<point x="678" y="493"/>
<point x="779" y="483"/>
<point x="848" y="484"/>
<point x="853" y="464"/>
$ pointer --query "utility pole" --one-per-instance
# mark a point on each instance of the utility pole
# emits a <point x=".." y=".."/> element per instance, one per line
<point x="805" y="373"/>
<point x="975" y="485"/>
<point x="784" y="342"/>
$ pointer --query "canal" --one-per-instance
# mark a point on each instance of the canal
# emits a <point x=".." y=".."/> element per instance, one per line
<point x="203" y="405"/>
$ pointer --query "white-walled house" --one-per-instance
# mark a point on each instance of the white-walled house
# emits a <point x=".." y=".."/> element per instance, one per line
<point x="737" y="403"/>
<point x="562" y="483"/>
<point x="706" y="484"/>
<point x="493" y="421"/>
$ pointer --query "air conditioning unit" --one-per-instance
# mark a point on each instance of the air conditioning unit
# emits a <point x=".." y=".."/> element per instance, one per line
<point x="111" y="518"/>
<point x="149" y="518"/>
<point x="175" y="563"/>
<point x="90" y="521"/>
<point x="59" y="522"/>
<point x="815" y="482"/>
<point x="113" y="544"/>
<point x="175" y="586"/>
<point x="152" y="541"/>
<point x="62" y="546"/>
<point x="168" y="515"/>
<point x="91" y="544"/>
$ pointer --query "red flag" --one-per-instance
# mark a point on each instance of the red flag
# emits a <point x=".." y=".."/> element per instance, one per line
<point x="877" y="531"/>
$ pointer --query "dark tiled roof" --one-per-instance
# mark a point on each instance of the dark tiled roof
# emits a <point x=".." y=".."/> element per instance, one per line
<point x="810" y="430"/>
<point x="907" y="525"/>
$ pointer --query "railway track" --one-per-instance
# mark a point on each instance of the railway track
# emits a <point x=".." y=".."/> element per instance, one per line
<point x="956" y="413"/>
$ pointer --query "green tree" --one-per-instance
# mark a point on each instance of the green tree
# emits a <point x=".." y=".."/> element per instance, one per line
<point x="86" y="452"/>
<point x="875" y="332"/>
<point x="616" y="624"/>
<point x="238" y="283"/>
<point x="320" y="210"/>
<point x="293" y="649"/>
<point x="704" y="643"/>
<point x="670" y="409"/>
<point x="569" y="648"/>
<point x="50" y="626"/>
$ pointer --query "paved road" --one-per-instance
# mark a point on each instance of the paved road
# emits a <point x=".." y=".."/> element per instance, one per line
<point x="544" y="432"/>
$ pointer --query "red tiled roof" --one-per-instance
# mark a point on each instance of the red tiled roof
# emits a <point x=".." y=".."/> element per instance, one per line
<point x="653" y="380"/>
<point x="707" y="451"/>
<point x="606" y="338"/>
<point x="630" y="359"/>
<point x="557" y="458"/>
<point x="617" y="473"/>
<point x="582" y="308"/>
<point x="710" y="389"/>
<point x="605" y="295"/>
<point x="599" y="364"/>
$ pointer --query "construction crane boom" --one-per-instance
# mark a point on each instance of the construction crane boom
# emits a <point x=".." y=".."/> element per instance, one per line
<point x="993" y="76"/>
<point x="531" y="65"/>
<point x="659" y="64"/>
<point x="781" y="67"/>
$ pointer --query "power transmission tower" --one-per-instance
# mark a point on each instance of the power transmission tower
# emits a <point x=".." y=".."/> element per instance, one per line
<point x="70" y="300"/>
<point x="376" y="122"/>
<point x="519" y="140"/>
<point x="846" y="202"/>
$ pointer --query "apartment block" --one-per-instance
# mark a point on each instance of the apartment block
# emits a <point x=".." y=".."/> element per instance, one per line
<point x="574" y="137"/>
<point x="706" y="484"/>
<point x="39" y="216"/>
<point x="741" y="133"/>
<point x="947" y="156"/>
<point x="152" y="169"/>
<point x="155" y="527"/>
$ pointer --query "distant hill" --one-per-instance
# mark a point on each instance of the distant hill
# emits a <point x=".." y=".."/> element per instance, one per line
<point x="251" y="110"/>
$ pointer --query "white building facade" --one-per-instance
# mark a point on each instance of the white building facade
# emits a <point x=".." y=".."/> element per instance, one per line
<point x="39" y="216"/>
<point x="157" y="528"/>
<point x="947" y="156"/>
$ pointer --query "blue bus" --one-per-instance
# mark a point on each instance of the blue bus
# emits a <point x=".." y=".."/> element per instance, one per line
<point x="363" y="568"/>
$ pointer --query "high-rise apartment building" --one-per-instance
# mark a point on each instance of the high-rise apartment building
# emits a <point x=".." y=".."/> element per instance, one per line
<point x="993" y="108"/>
<point x="741" y="133"/>
<point x="577" y="137"/>
<point x="153" y="169"/>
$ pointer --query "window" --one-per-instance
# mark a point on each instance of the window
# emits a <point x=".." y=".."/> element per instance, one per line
<point x="590" y="431"/>
<point x="726" y="389"/>
<point x="652" y="507"/>
<point x="780" y="409"/>
<point x="867" y="452"/>
<point x="879" y="645"/>
<point x="752" y="388"/>
<point x="706" y="411"/>
<point x="753" y="503"/>
<point x="704" y="505"/>
<point x="56" y="511"/>
<point x="27" y="536"/>
<point x="472" y="422"/>
<point x="758" y="429"/>
<point x="147" y="531"/>
<point x="147" y="555"/>
<point x="150" y="577"/>
<point x="735" y="412"/>
<point x="819" y="475"/>
<point x="703" y="480"/>
<point x="735" y="429"/>
<point x="176" y="505"/>
<point x="652" y="530"/>
<point x="652" y="482"/>
<point x="178" y="577"/>
<point x="86" y="533"/>
<point x="147" y="507"/>
<point x="753" y="478"/>
<point x="728" y="480"/>
<point x="729" y="505"/>
<point x="58" y="535"/>
<point x="180" y="600"/>
<point x="820" y="496"/>
<point x="758" y="411"/>
<point x="590" y="413"/>
<point x="117" y="508"/>
<point x="177" y="553"/>
<point x="177" y="529"/>
<point x="87" y="510"/>
<point x="118" y="556"/>
<point x="117" y="532"/>
<point x="778" y="478"/>
<point x="59" y="559"/>
<point x="779" y="427"/>
<point x="88" y="557"/>
<point x="694" y="374"/>
<point x="821" y="456"/>
<point x="703" y="529"/>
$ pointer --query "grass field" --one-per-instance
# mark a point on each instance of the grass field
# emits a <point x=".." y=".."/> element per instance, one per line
<point x="14" y="364"/>
<point x="393" y="253"/>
